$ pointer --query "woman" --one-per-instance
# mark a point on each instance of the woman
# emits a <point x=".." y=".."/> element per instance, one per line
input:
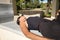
<point x="49" y="29"/>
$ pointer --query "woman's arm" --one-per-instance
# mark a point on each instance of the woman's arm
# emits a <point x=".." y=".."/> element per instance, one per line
<point x="28" y="34"/>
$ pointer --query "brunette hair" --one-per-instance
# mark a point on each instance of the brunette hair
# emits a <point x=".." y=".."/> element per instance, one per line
<point x="18" y="21"/>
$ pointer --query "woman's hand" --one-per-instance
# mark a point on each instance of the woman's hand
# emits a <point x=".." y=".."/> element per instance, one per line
<point x="22" y="19"/>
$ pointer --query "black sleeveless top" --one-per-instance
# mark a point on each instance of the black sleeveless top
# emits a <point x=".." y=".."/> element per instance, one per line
<point x="49" y="29"/>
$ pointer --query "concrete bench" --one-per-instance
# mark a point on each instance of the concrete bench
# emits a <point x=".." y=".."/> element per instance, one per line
<point x="32" y="12"/>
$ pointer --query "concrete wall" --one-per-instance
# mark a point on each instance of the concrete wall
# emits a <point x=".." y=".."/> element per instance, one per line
<point x="4" y="1"/>
<point x="6" y="13"/>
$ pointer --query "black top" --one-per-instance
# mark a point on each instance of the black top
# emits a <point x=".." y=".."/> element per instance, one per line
<point x="49" y="29"/>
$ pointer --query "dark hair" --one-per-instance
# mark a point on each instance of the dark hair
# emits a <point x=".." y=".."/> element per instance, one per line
<point x="18" y="21"/>
<point x="19" y="18"/>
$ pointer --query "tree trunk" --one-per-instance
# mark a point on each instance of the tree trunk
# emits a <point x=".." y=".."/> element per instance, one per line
<point x="14" y="7"/>
<point x="48" y="7"/>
